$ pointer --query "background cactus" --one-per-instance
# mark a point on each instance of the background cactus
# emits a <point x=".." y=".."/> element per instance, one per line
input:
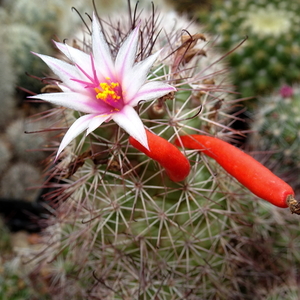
<point x="29" y="25"/>
<point x="26" y="146"/>
<point x="7" y="82"/>
<point x="5" y="154"/>
<point x="123" y="230"/>
<point x="16" y="182"/>
<point x="271" y="54"/>
<point x="276" y="131"/>
<point x="19" y="40"/>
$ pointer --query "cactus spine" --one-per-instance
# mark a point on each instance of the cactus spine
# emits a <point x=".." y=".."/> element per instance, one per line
<point x="123" y="230"/>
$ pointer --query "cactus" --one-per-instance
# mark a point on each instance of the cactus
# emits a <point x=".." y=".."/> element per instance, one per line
<point x="26" y="146"/>
<point x="122" y="229"/>
<point x="276" y="130"/>
<point x="7" y="86"/>
<point x="19" y="40"/>
<point x="19" y="180"/>
<point x="270" y="55"/>
<point x="5" y="154"/>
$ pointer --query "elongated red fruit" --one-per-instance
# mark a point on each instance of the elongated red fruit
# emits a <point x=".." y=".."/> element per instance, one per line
<point x="166" y="154"/>
<point x="248" y="171"/>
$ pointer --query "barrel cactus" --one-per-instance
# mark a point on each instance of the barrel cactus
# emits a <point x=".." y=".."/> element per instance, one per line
<point x="270" y="55"/>
<point x="122" y="229"/>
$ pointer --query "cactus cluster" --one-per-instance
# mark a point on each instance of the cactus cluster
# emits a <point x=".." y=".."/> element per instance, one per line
<point x="276" y="130"/>
<point x="270" y="55"/>
<point x="122" y="229"/>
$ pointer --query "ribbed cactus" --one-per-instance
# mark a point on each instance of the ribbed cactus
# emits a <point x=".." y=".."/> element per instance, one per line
<point x="270" y="55"/>
<point x="122" y="229"/>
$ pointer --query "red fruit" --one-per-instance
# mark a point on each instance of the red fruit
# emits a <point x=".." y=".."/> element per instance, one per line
<point x="166" y="154"/>
<point x="248" y="171"/>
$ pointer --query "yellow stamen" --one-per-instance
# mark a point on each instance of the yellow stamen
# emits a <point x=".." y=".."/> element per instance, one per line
<point x="107" y="90"/>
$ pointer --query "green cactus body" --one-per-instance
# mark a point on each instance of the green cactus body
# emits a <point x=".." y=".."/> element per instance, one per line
<point x="269" y="56"/>
<point x="123" y="229"/>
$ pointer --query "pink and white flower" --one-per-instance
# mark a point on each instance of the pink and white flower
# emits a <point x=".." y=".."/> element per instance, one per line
<point x="102" y="88"/>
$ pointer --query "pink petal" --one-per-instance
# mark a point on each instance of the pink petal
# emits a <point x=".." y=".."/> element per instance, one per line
<point x="126" y="55"/>
<point x="150" y="91"/>
<point x="75" y="55"/>
<point x="76" y="101"/>
<point x="78" y="57"/>
<point x="130" y="121"/>
<point x="101" y="52"/>
<point x="139" y="72"/>
<point x="64" y="71"/>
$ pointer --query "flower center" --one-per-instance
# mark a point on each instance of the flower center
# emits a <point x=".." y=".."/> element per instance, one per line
<point x="268" y="21"/>
<point x="110" y="93"/>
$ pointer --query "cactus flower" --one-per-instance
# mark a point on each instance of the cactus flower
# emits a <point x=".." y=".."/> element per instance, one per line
<point x="102" y="88"/>
<point x="286" y="91"/>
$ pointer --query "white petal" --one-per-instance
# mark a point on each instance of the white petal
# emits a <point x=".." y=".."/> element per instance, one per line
<point x="64" y="88"/>
<point x="75" y="55"/>
<point x="139" y="72"/>
<point x="101" y="52"/>
<point x="76" y="101"/>
<point x="64" y="71"/>
<point x="151" y="90"/>
<point x="130" y="121"/>
<point x="96" y="122"/>
<point x="77" y="128"/>
<point x="126" y="55"/>
<point x="80" y="58"/>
